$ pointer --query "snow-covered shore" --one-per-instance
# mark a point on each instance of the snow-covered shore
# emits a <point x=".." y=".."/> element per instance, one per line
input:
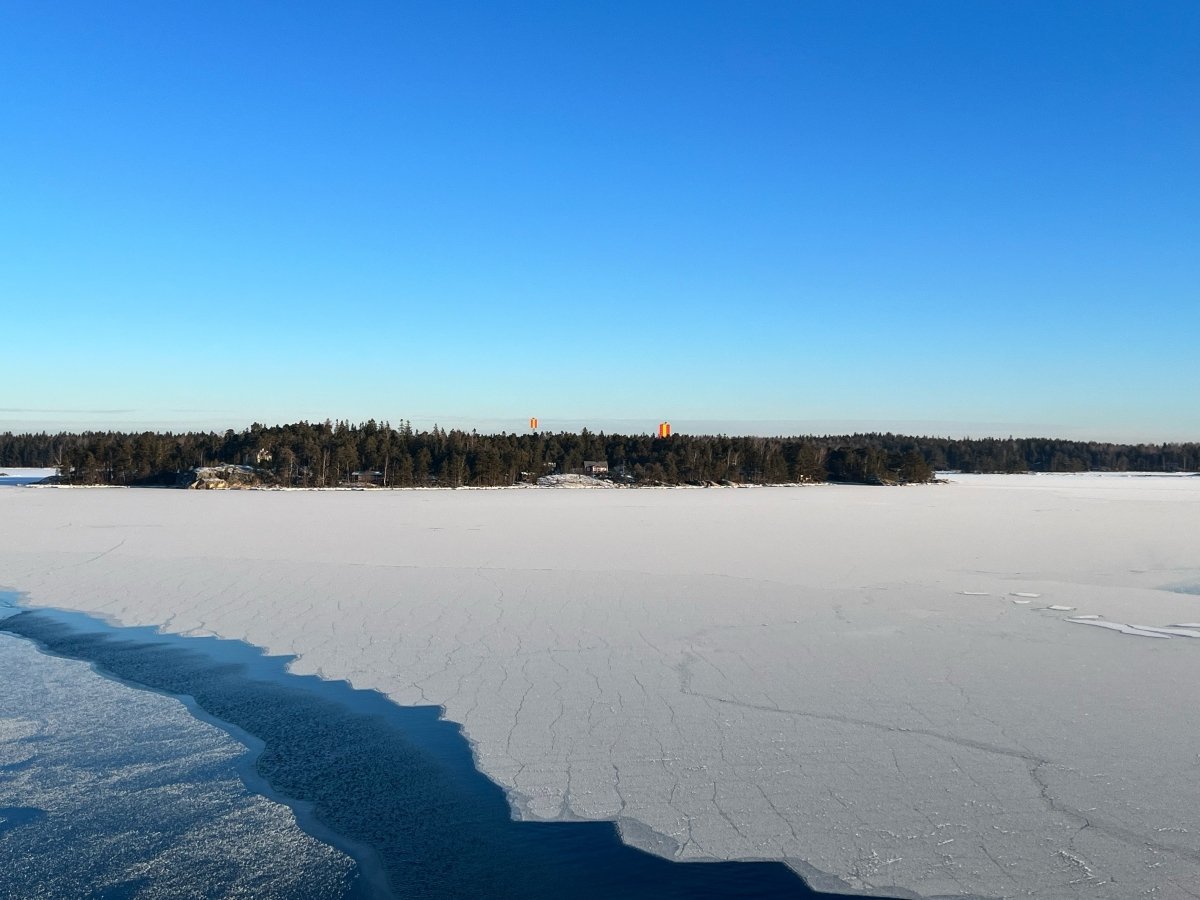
<point x="881" y="686"/>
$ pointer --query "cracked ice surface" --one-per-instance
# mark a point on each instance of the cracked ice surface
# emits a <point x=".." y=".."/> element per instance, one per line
<point x="833" y="676"/>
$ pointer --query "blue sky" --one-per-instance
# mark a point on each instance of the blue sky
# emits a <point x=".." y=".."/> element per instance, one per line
<point x="957" y="218"/>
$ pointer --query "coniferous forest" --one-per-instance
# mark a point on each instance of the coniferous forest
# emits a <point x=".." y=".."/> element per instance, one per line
<point x="335" y="453"/>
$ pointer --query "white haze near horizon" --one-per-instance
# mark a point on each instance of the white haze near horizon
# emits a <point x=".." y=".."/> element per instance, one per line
<point x="882" y="687"/>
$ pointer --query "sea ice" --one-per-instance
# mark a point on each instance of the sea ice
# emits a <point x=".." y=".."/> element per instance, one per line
<point x="778" y="673"/>
<point x="1124" y="629"/>
<point x="1171" y="630"/>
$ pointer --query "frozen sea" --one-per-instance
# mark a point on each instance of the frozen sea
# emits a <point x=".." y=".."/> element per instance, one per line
<point x="902" y="691"/>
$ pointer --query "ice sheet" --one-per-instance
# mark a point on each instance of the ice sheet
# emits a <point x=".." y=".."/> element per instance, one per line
<point x="787" y="672"/>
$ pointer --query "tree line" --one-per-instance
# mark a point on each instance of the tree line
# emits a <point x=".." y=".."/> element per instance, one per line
<point x="326" y="454"/>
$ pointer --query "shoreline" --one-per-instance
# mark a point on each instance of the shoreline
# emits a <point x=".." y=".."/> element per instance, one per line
<point x="940" y="478"/>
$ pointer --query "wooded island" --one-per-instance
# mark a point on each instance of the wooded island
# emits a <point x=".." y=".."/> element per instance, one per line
<point x="336" y="453"/>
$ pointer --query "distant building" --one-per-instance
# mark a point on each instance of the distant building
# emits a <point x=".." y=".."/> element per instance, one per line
<point x="595" y="467"/>
<point x="366" y="477"/>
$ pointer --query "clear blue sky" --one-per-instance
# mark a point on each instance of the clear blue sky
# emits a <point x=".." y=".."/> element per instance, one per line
<point x="953" y="217"/>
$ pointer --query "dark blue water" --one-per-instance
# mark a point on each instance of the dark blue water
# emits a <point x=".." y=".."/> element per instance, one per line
<point x="398" y="784"/>
<point x="16" y="816"/>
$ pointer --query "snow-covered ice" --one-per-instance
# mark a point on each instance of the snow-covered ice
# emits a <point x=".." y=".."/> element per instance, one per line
<point x="787" y="673"/>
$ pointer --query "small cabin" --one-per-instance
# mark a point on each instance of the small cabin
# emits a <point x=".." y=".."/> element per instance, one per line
<point x="595" y="467"/>
<point x="366" y="477"/>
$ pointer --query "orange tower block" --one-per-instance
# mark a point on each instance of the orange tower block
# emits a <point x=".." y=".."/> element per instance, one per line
<point x="533" y="424"/>
<point x="664" y="429"/>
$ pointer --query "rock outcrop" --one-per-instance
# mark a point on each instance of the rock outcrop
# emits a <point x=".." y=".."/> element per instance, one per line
<point x="223" y="477"/>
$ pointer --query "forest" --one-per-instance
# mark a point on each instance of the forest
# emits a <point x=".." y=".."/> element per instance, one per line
<point x="330" y="453"/>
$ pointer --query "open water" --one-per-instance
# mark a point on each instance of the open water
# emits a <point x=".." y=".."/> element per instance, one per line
<point x="22" y="477"/>
<point x="109" y="791"/>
